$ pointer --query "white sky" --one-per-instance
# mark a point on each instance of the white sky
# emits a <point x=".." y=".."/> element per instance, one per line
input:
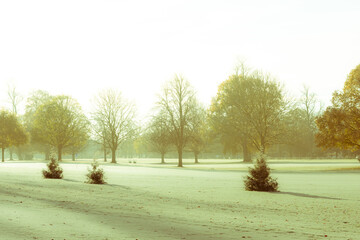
<point x="78" y="47"/>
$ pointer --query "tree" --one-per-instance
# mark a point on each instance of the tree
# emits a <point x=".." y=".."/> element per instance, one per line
<point x="158" y="134"/>
<point x="339" y="125"/>
<point x="301" y="126"/>
<point x="33" y="102"/>
<point x="104" y="144"/>
<point x="227" y="121"/>
<point x="198" y="131"/>
<point x="250" y="109"/>
<point x="78" y="140"/>
<point x="60" y="123"/>
<point x="95" y="174"/>
<point x="114" y="120"/>
<point x="54" y="171"/>
<point x="296" y="137"/>
<point x="264" y="107"/>
<point x="178" y="102"/>
<point x="311" y="109"/>
<point x="14" y="99"/>
<point x="259" y="178"/>
<point x="12" y="133"/>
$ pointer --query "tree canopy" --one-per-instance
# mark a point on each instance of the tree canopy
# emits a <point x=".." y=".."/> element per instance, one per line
<point x="339" y="125"/>
<point x="249" y="112"/>
<point x="12" y="132"/>
<point x="60" y="123"/>
<point x="33" y="102"/>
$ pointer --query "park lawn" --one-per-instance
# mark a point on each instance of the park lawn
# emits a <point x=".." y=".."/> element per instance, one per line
<point x="151" y="202"/>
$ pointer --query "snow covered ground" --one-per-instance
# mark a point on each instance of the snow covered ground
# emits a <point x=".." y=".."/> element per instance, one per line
<point x="151" y="201"/>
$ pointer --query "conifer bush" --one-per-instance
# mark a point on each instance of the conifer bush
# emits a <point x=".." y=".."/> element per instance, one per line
<point x="259" y="178"/>
<point x="95" y="174"/>
<point x="54" y="169"/>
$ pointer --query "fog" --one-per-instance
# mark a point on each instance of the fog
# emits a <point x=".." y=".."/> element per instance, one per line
<point x="78" y="47"/>
<point x="179" y="119"/>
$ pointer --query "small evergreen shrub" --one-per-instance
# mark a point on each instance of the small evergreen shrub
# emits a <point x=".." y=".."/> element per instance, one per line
<point x="95" y="174"/>
<point x="259" y="179"/>
<point x="54" y="169"/>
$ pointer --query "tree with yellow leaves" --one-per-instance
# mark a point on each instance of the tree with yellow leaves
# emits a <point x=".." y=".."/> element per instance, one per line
<point x="249" y="112"/>
<point x="61" y="124"/>
<point x="339" y="125"/>
<point x="12" y="133"/>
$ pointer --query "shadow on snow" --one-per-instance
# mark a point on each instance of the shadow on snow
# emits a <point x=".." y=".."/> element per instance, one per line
<point x="307" y="195"/>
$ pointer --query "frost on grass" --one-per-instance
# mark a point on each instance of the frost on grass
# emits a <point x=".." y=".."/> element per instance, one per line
<point x="259" y="178"/>
<point x="95" y="174"/>
<point x="54" y="169"/>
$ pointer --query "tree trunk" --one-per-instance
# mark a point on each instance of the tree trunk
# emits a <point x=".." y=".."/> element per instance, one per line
<point x="113" y="155"/>
<point x="163" y="158"/>
<point x="59" y="153"/>
<point x="2" y="154"/>
<point x="196" y="158"/>
<point x="180" y="164"/>
<point x="246" y="153"/>
<point x="105" y="159"/>
<point x="73" y="156"/>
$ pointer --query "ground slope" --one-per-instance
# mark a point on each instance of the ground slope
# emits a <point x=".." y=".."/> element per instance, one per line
<point x="163" y="203"/>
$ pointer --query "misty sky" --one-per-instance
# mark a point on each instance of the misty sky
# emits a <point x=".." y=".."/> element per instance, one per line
<point x="79" y="47"/>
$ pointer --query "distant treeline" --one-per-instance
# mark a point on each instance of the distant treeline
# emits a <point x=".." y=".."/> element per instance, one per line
<point x="250" y="114"/>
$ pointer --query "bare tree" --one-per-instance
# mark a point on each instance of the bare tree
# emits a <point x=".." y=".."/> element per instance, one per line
<point x="178" y="101"/>
<point x="114" y="120"/>
<point x="311" y="107"/>
<point x="199" y="131"/>
<point x="158" y="134"/>
<point x="14" y="99"/>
